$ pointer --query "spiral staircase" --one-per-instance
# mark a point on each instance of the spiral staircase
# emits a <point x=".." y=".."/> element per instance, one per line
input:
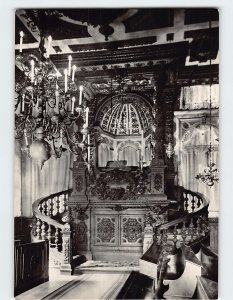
<point x="176" y="264"/>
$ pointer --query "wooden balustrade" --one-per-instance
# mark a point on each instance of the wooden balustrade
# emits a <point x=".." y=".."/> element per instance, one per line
<point x="48" y="212"/>
<point x="191" y="201"/>
<point x="189" y="228"/>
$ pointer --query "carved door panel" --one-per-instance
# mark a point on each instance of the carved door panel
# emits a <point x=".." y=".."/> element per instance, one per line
<point x="131" y="228"/>
<point x="106" y="230"/>
<point x="118" y="230"/>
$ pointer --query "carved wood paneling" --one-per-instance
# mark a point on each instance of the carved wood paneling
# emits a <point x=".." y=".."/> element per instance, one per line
<point x="131" y="228"/>
<point x="118" y="229"/>
<point x="105" y="230"/>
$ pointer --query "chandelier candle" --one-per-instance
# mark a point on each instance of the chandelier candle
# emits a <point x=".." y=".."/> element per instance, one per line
<point x="32" y="70"/>
<point x="66" y="82"/>
<point x="21" y="34"/>
<point x="22" y="107"/>
<point x="72" y="105"/>
<point x="80" y="95"/>
<point x="88" y="151"/>
<point x="49" y="46"/>
<point x="87" y="112"/>
<point x="69" y="64"/>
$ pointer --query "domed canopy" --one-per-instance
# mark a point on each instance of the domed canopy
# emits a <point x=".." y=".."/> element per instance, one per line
<point x="125" y="118"/>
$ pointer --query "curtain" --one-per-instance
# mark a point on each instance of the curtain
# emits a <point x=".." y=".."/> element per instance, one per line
<point x="104" y="155"/>
<point x="131" y="155"/>
<point x="193" y="160"/>
<point x="55" y="176"/>
<point x="198" y="96"/>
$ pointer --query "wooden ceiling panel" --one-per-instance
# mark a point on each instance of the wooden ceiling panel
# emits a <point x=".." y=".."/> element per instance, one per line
<point x="146" y="19"/>
<point x="28" y="37"/>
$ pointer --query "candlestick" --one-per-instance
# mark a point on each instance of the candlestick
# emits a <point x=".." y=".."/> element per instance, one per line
<point x="87" y="112"/>
<point x="66" y="83"/>
<point x="21" y="41"/>
<point x="80" y="95"/>
<point x="32" y="70"/>
<point x="73" y="71"/>
<point x="72" y="106"/>
<point x="69" y="64"/>
<point x="49" y="46"/>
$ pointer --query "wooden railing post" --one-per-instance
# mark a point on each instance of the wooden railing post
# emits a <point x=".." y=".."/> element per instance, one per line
<point x="66" y="264"/>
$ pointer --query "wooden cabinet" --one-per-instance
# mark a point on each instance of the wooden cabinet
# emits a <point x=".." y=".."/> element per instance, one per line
<point x="30" y="265"/>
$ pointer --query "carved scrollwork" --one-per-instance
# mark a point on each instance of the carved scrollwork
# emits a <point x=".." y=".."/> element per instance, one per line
<point x="155" y="219"/>
<point x="66" y="250"/>
<point x="105" y="230"/>
<point x="120" y="185"/>
<point x="132" y="230"/>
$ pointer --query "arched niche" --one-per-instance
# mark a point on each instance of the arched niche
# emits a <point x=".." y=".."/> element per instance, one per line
<point x="125" y="121"/>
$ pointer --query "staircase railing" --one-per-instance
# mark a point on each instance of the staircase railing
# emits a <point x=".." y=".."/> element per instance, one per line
<point x="187" y="229"/>
<point x="52" y="223"/>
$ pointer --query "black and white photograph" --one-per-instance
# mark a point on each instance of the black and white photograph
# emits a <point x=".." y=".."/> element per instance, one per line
<point x="116" y="153"/>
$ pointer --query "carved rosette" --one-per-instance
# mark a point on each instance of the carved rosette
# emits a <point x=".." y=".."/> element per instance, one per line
<point x="131" y="230"/>
<point x="105" y="230"/>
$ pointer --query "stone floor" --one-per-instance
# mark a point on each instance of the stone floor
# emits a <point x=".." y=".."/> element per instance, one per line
<point x="91" y="285"/>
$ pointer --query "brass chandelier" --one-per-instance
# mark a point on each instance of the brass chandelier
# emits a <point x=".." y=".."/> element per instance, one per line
<point x="51" y="114"/>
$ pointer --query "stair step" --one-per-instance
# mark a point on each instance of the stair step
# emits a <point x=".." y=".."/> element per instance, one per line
<point x="91" y="266"/>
